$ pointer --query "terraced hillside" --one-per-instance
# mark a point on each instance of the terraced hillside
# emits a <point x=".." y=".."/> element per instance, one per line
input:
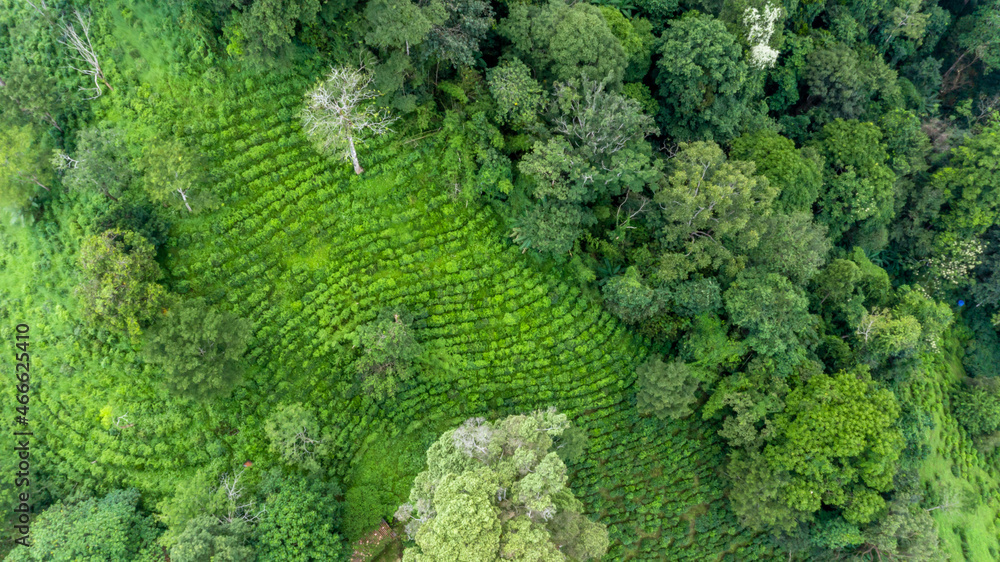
<point x="307" y="251"/>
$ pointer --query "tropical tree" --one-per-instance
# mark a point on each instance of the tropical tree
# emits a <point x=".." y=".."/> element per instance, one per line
<point x="66" y="530"/>
<point x="173" y="173"/>
<point x="859" y="184"/>
<point x="264" y="26"/>
<point x="101" y="162"/>
<point x="666" y="389"/>
<point x="712" y="209"/>
<point x="835" y="443"/>
<point x="197" y="348"/>
<point x="300" y="520"/>
<point x="207" y="539"/>
<point x="562" y="41"/>
<point x="497" y="491"/>
<point x="796" y="173"/>
<point x="705" y="87"/>
<point x="119" y="280"/>
<point x="772" y="310"/>
<point x="389" y="352"/>
<point x="24" y="166"/>
<point x="294" y="433"/>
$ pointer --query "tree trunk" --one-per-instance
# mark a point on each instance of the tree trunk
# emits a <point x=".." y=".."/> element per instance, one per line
<point x="354" y="156"/>
<point x="184" y="197"/>
<point x="53" y="121"/>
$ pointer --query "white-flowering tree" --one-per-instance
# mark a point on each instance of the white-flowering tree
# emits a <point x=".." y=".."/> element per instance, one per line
<point x="84" y="52"/>
<point x="339" y="112"/>
<point x="760" y="29"/>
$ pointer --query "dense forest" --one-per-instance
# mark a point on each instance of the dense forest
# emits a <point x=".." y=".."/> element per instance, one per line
<point x="482" y="280"/>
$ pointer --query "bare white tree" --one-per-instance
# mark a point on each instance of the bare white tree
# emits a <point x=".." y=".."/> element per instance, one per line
<point x="236" y="510"/>
<point x="63" y="161"/>
<point x="339" y="112"/>
<point x="123" y="418"/>
<point x="84" y="52"/>
<point x="183" y="195"/>
<point x="870" y="323"/>
<point x="949" y="500"/>
<point x="473" y="438"/>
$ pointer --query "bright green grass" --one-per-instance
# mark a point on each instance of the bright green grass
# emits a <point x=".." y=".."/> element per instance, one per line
<point x="970" y="530"/>
<point x="306" y="251"/>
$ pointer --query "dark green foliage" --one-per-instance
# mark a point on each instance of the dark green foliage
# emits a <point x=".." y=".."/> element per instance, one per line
<point x="791" y="245"/>
<point x="705" y="87"/>
<point x="873" y="282"/>
<point x="37" y="81"/>
<point x="519" y="98"/>
<point x="300" y="521"/>
<point x="561" y="41"/>
<point x="696" y="297"/>
<point x="665" y="389"/>
<point x="262" y="27"/>
<point x="110" y="528"/>
<point x="835" y="445"/>
<point x="636" y="39"/>
<point x="771" y="309"/>
<point x="118" y="284"/>
<point x="599" y="153"/>
<point x="197" y="348"/>
<point x="834" y="76"/>
<point x="982" y="352"/>
<point x="389" y="352"/>
<point x="206" y="539"/>
<point x="400" y="25"/>
<point x="797" y="173"/>
<point x="977" y="406"/>
<point x="858" y="190"/>
<point x="630" y="299"/>
<point x="906" y="144"/>
<point x="140" y="218"/>
<point x="456" y="39"/>
<point x="551" y="228"/>
<point x="971" y="184"/>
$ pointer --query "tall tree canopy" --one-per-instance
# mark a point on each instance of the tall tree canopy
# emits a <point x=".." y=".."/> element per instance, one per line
<point x="835" y="444"/>
<point x="197" y="349"/>
<point x="119" y="285"/>
<point x="706" y="90"/>
<point x="497" y="490"/>
<point x="109" y="528"/>
<point x="562" y="41"/>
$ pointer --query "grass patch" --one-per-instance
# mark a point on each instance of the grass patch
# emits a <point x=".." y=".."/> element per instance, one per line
<point x="956" y="473"/>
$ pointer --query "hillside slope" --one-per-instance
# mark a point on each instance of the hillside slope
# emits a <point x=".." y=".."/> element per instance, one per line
<point x="307" y="251"/>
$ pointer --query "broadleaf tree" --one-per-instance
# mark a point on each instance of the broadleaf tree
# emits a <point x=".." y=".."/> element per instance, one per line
<point x="497" y="490"/>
